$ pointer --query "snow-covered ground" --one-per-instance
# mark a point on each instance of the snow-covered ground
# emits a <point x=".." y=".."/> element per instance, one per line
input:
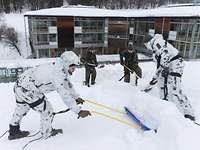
<point x="100" y="133"/>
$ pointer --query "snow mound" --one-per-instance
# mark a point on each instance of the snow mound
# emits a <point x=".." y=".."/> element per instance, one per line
<point x="174" y="132"/>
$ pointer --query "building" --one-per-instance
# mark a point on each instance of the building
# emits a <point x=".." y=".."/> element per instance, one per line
<point x="52" y="31"/>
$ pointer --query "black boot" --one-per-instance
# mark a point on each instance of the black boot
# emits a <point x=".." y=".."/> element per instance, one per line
<point x="55" y="132"/>
<point x="190" y="117"/>
<point x="16" y="133"/>
<point x="88" y="85"/>
<point x="93" y="83"/>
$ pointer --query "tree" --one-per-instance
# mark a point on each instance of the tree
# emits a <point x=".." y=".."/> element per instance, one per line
<point x="10" y="36"/>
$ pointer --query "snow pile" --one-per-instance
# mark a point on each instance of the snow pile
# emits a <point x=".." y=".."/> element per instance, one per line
<point x="174" y="132"/>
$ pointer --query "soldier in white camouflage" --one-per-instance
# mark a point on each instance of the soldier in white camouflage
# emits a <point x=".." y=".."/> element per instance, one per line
<point x="30" y="90"/>
<point x="170" y="66"/>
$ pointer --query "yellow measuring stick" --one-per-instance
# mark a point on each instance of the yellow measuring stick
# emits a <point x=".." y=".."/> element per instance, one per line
<point x="107" y="107"/>
<point x="116" y="119"/>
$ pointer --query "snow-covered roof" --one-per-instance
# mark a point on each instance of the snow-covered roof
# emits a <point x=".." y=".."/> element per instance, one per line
<point x="76" y="11"/>
<point x="184" y="4"/>
<point x="181" y="11"/>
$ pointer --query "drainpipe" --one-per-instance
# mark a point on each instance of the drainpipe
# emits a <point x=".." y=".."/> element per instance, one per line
<point x="26" y="36"/>
<point x="163" y="23"/>
<point x="192" y="50"/>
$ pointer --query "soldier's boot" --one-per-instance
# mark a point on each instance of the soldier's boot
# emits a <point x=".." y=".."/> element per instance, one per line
<point x="190" y="117"/>
<point x="127" y="78"/>
<point x="55" y="132"/>
<point x="16" y="133"/>
<point x="136" y="81"/>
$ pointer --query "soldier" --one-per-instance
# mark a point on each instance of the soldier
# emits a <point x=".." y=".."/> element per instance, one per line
<point x="90" y="62"/>
<point x="30" y="90"/>
<point x="168" y="75"/>
<point x="129" y="59"/>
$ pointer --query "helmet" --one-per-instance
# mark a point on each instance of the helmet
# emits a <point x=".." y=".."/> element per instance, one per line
<point x="69" y="58"/>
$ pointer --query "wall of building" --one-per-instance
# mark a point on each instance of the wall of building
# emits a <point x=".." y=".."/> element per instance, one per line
<point x="53" y="35"/>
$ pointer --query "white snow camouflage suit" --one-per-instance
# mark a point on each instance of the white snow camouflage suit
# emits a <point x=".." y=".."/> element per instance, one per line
<point x="33" y="83"/>
<point x="171" y="63"/>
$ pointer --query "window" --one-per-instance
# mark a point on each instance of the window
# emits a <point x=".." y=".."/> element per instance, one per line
<point x="39" y="30"/>
<point x="42" y="39"/>
<point x="13" y="70"/>
<point x="43" y="53"/>
<point x="142" y="27"/>
<point x="184" y="29"/>
<point x="90" y="38"/>
<point x="52" y="38"/>
<point x="93" y="30"/>
<point x="91" y="24"/>
<point x="2" y="73"/>
<point x="40" y="26"/>
<point x="52" y="23"/>
<point x="198" y="51"/>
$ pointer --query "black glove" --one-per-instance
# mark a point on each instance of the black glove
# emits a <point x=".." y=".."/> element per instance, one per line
<point x="153" y="81"/>
<point x="84" y="113"/>
<point x="121" y="63"/>
<point x="79" y="101"/>
<point x="165" y="72"/>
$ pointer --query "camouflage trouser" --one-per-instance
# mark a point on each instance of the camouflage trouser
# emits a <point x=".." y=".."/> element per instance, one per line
<point x="176" y="95"/>
<point x="27" y="99"/>
<point x="174" y="90"/>
<point x="90" y="72"/>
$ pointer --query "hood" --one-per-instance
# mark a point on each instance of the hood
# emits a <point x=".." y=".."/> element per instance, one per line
<point x="156" y="43"/>
<point x="68" y="58"/>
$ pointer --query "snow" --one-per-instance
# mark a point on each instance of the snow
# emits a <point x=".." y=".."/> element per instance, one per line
<point x="97" y="132"/>
<point x="181" y="11"/>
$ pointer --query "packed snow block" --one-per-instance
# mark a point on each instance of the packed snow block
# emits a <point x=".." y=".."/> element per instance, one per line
<point x="136" y="120"/>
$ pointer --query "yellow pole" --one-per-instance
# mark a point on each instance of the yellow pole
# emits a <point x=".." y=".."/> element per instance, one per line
<point x="116" y="119"/>
<point x="107" y="107"/>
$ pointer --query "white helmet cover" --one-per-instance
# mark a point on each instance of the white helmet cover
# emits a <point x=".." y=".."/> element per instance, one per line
<point x="152" y="44"/>
<point x="68" y="58"/>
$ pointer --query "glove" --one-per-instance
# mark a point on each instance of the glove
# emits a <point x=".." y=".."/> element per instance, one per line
<point x="153" y="81"/>
<point x="165" y="72"/>
<point x="121" y="63"/>
<point x="79" y="101"/>
<point x="84" y="113"/>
